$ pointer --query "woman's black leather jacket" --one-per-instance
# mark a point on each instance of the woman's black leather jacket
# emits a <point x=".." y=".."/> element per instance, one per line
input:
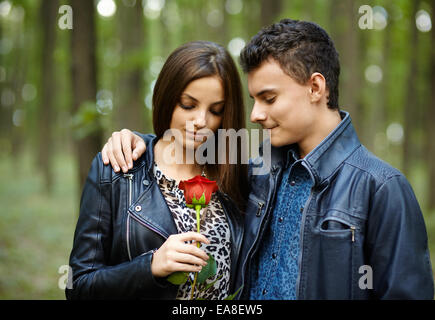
<point x="123" y="219"/>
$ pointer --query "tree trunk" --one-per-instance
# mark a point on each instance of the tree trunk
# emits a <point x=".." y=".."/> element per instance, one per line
<point x="270" y="10"/>
<point x="384" y="107"/>
<point x="48" y="14"/>
<point x="129" y="95"/>
<point x="352" y="61"/>
<point x="411" y="104"/>
<point x="5" y="109"/>
<point x="84" y="78"/>
<point x="430" y="133"/>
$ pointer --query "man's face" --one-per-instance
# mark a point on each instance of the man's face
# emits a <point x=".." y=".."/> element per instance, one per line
<point x="281" y="104"/>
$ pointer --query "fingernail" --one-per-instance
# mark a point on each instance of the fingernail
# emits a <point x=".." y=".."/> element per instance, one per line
<point x="116" y="168"/>
<point x="130" y="165"/>
<point x="124" y="168"/>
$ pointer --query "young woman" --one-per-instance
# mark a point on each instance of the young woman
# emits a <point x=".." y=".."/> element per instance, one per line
<point x="134" y="228"/>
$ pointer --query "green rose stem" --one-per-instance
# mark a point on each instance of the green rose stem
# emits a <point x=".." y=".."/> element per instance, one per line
<point x="198" y="209"/>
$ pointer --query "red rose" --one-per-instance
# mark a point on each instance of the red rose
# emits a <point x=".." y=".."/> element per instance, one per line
<point x="198" y="190"/>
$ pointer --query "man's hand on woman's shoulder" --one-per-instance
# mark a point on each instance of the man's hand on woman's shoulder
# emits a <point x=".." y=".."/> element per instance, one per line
<point x="121" y="149"/>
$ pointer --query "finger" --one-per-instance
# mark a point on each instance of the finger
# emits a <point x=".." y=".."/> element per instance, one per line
<point x="126" y="147"/>
<point x="117" y="151"/>
<point x="192" y="250"/>
<point x="188" y="236"/>
<point x="188" y="258"/>
<point x="185" y="267"/>
<point x="112" y="158"/>
<point x="139" y="146"/>
<point x="104" y="155"/>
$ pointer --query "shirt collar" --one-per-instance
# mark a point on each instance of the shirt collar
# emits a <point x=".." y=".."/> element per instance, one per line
<point x="327" y="156"/>
<point x="168" y="183"/>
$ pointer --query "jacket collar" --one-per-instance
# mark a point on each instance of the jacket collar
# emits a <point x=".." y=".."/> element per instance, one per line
<point x="149" y="155"/>
<point x="324" y="159"/>
<point x="159" y="218"/>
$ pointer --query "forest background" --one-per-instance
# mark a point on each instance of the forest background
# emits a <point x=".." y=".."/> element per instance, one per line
<point x="66" y="84"/>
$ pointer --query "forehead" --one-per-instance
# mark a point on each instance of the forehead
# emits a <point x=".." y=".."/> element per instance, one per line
<point x="205" y="86"/>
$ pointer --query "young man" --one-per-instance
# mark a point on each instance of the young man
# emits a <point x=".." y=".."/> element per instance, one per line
<point x="330" y="220"/>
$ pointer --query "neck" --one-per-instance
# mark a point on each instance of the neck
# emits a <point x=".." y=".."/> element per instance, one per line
<point x="327" y="121"/>
<point x="164" y="156"/>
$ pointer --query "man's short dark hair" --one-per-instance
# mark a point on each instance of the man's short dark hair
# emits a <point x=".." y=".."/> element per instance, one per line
<point x="301" y="48"/>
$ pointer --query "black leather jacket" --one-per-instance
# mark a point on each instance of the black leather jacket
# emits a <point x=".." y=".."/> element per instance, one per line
<point x="361" y="212"/>
<point x="123" y="218"/>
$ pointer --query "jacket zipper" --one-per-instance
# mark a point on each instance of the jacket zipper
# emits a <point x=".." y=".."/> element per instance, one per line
<point x="252" y="250"/>
<point x="352" y="229"/>
<point x="260" y="206"/>
<point x="129" y="176"/>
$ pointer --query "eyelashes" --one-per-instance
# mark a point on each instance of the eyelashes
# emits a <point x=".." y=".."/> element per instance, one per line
<point x="187" y="107"/>
<point x="270" y="101"/>
<point x="217" y="113"/>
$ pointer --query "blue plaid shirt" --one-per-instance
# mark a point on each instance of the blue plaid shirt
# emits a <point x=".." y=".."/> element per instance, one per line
<point x="275" y="269"/>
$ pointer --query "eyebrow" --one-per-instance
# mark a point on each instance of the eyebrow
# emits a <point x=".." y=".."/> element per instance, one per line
<point x="262" y="92"/>
<point x="196" y="100"/>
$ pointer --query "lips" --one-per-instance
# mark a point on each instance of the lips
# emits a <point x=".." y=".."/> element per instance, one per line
<point x="196" y="135"/>
<point x="271" y="127"/>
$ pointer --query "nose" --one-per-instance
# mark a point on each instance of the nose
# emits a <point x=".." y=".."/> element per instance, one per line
<point x="200" y="119"/>
<point x="257" y="114"/>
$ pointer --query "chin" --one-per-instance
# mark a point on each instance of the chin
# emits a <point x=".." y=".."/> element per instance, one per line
<point x="277" y="143"/>
<point x="281" y="141"/>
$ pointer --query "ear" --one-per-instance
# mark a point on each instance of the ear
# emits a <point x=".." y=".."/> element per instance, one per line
<point x="317" y="85"/>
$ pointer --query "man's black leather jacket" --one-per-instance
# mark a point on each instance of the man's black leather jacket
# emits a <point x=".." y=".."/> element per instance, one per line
<point x="362" y="231"/>
<point x="123" y="218"/>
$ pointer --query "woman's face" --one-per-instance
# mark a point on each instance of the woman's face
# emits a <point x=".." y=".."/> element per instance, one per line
<point x="199" y="112"/>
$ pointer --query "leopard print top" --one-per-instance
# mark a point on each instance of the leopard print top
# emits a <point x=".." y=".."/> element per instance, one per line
<point x="214" y="226"/>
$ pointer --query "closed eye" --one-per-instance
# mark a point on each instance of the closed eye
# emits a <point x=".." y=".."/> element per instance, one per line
<point x="186" y="107"/>
<point x="271" y="100"/>
<point x="217" y="113"/>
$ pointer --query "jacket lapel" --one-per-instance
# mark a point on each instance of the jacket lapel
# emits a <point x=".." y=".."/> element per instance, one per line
<point x="152" y="210"/>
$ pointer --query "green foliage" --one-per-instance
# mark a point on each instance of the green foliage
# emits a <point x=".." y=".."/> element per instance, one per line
<point x="232" y="296"/>
<point x="209" y="285"/>
<point x="87" y="120"/>
<point x="37" y="228"/>
<point x="178" y="277"/>
<point x="208" y="271"/>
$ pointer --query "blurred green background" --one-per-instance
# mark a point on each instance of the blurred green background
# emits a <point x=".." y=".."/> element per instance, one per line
<point x="63" y="91"/>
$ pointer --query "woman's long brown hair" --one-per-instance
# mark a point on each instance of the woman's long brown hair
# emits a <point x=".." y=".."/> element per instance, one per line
<point x="192" y="61"/>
